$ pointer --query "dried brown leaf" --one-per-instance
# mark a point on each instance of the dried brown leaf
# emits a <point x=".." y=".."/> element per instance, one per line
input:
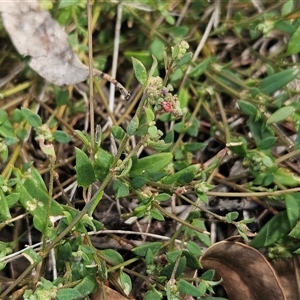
<point x="106" y="293"/>
<point x="34" y="33"/>
<point x="287" y="272"/>
<point x="245" y="271"/>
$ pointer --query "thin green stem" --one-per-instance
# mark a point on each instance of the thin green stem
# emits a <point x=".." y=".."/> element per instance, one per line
<point x="254" y="194"/>
<point x="50" y="192"/>
<point x="224" y="119"/>
<point x="172" y="216"/>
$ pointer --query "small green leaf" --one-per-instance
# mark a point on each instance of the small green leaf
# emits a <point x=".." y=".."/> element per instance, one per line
<point x="61" y="137"/>
<point x="275" y="82"/>
<point x="297" y="140"/>
<point x="17" y="116"/>
<point x="204" y="238"/>
<point x="84" y="169"/>
<point x="179" y="127"/>
<point x="68" y="294"/>
<point x="285" y="177"/>
<point x="156" y="215"/>
<point x="117" y="132"/>
<point x="192" y="261"/>
<point x="11" y="141"/>
<point x="12" y="199"/>
<point x="160" y="145"/>
<point x="142" y="250"/>
<point x="153" y="67"/>
<point x="102" y="163"/>
<point x="4" y="212"/>
<point x="152" y="131"/>
<point x="149" y="114"/>
<point x="140" y="72"/>
<point x="292" y="208"/>
<point x="187" y="57"/>
<point x="4" y="153"/>
<point x="163" y="197"/>
<point x="168" y="270"/>
<point x="112" y="256"/>
<point x="151" y="164"/>
<point x="123" y="191"/>
<point x="247" y="108"/>
<point x="272" y="231"/>
<point x="193" y="248"/>
<point x="32" y="256"/>
<point x="126" y="283"/>
<point x="155" y="176"/>
<point x="287" y="7"/>
<point x="188" y="289"/>
<point x="82" y="136"/>
<point x="183" y="176"/>
<point x="208" y="275"/>
<point x="32" y="118"/>
<point x="157" y="48"/>
<point x="149" y="258"/>
<point x="231" y="216"/>
<point x="231" y="79"/>
<point x="138" y="182"/>
<point x="201" y="68"/>
<point x="86" y="286"/>
<point x="184" y="97"/>
<point x="295" y="232"/>
<point x="293" y="44"/>
<point x="143" y="56"/>
<point x="133" y="126"/>
<point x="193" y="147"/>
<point x="193" y="130"/>
<point x="266" y="143"/>
<point x="3" y="116"/>
<point x="153" y="295"/>
<point x="281" y="114"/>
<point x="285" y="26"/>
<point x="67" y="3"/>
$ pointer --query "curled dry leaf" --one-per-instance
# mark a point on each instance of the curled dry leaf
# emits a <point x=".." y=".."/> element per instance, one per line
<point x="106" y="293"/>
<point x="288" y="271"/>
<point x="245" y="271"/>
<point x="34" y="33"/>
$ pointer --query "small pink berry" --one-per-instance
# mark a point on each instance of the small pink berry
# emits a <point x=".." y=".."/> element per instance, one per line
<point x="167" y="106"/>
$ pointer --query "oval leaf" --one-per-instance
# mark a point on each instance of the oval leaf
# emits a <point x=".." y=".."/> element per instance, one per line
<point x="274" y="82"/>
<point x="281" y="114"/>
<point x="133" y="126"/>
<point x="61" y="137"/>
<point x="247" y="108"/>
<point x="152" y="163"/>
<point x="142" y="250"/>
<point x="84" y="169"/>
<point x="267" y="143"/>
<point x="292" y="208"/>
<point x="294" y="45"/>
<point x="272" y="231"/>
<point x="112" y="256"/>
<point x="188" y="289"/>
<point x="139" y="71"/>
<point x="201" y="68"/>
<point x="32" y="118"/>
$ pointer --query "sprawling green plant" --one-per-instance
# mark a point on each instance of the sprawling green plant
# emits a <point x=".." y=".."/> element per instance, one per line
<point x="161" y="165"/>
